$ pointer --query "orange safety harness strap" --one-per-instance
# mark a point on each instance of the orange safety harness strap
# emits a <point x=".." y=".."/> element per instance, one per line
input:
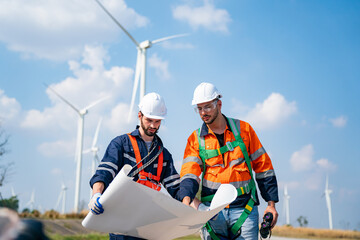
<point x="139" y="163"/>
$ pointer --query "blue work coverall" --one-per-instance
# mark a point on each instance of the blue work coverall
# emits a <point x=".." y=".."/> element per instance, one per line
<point x="120" y="152"/>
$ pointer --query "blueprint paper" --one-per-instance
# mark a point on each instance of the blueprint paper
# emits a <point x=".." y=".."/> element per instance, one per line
<point x="132" y="209"/>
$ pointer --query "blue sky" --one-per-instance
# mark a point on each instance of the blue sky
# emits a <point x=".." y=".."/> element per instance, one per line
<point x="289" y="68"/>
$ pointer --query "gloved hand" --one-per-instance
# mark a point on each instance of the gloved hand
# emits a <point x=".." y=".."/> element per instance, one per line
<point x="94" y="204"/>
<point x="203" y="207"/>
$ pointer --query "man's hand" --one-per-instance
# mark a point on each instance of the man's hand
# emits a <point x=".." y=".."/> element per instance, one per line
<point x="94" y="204"/>
<point x="186" y="200"/>
<point x="271" y="208"/>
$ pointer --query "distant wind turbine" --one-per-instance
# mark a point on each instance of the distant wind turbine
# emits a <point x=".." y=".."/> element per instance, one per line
<point x="13" y="192"/>
<point x="140" y="69"/>
<point x="94" y="149"/>
<point x="62" y="197"/>
<point x="286" y="202"/>
<point x="328" y="201"/>
<point x="31" y="203"/>
<point x="79" y="145"/>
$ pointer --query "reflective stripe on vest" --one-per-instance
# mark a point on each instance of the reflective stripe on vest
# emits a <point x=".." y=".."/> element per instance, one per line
<point x="146" y="178"/>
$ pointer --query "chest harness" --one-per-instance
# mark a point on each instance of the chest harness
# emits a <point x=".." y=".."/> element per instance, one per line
<point x="205" y="154"/>
<point x="146" y="178"/>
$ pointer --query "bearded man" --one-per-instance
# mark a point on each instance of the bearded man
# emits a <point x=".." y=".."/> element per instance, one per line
<point x="143" y="149"/>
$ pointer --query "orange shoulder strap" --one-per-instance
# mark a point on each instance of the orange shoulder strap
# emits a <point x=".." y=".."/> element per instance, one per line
<point x="136" y="149"/>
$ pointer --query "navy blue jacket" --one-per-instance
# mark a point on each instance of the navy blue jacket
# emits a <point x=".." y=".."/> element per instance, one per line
<point x="120" y="152"/>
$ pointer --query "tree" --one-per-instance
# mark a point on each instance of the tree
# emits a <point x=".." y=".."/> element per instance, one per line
<point x="4" y="167"/>
<point x="12" y="203"/>
<point x="303" y="222"/>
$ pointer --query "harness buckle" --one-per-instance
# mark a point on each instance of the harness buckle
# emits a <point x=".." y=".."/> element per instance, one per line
<point x="229" y="146"/>
<point x="142" y="177"/>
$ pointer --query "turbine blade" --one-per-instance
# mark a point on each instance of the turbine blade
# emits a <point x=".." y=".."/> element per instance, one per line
<point x="62" y="98"/>
<point x="59" y="199"/>
<point x="117" y="23"/>
<point x="96" y="133"/>
<point x="136" y="83"/>
<point x="168" y="38"/>
<point x="95" y="103"/>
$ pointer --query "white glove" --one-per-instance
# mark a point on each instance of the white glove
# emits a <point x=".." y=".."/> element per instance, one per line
<point x="94" y="204"/>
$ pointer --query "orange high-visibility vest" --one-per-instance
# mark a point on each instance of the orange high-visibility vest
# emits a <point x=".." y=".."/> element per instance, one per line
<point x="146" y="178"/>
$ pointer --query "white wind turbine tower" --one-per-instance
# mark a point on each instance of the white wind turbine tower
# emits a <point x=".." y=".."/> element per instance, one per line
<point x="140" y="69"/>
<point x="31" y="203"/>
<point x="286" y="202"/>
<point x="328" y="201"/>
<point x="79" y="144"/>
<point x="62" y="197"/>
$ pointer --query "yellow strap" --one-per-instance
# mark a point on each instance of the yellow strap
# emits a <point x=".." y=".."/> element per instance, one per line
<point x="218" y="150"/>
<point x="248" y="208"/>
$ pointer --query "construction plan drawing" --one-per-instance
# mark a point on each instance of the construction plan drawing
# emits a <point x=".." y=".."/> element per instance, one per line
<point x="132" y="209"/>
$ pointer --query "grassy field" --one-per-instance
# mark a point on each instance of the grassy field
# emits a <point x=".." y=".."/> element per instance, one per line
<point x="282" y="231"/>
<point x="311" y="233"/>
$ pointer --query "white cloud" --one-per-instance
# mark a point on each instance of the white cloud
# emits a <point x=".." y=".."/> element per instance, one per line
<point x="302" y="160"/>
<point x="161" y="67"/>
<point x="58" y="30"/>
<point x="206" y="16"/>
<point x="118" y="120"/>
<point x="9" y="107"/>
<point x="326" y="165"/>
<point x="91" y="82"/>
<point x="339" y="122"/>
<point x="271" y="113"/>
<point x="57" y="148"/>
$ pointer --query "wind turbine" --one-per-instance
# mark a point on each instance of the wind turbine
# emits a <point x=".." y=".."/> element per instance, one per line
<point x="286" y="202"/>
<point x="62" y="196"/>
<point x="328" y="201"/>
<point x="31" y="203"/>
<point x="140" y="69"/>
<point x="79" y="144"/>
<point x="94" y="148"/>
<point x="13" y="192"/>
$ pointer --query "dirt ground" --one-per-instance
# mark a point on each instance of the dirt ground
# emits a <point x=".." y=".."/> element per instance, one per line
<point x="65" y="227"/>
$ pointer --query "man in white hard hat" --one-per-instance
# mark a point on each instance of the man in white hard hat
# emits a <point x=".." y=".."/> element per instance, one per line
<point x="226" y="150"/>
<point x="142" y="145"/>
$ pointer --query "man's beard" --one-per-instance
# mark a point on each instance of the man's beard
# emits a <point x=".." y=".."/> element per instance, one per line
<point x="146" y="130"/>
<point x="211" y="119"/>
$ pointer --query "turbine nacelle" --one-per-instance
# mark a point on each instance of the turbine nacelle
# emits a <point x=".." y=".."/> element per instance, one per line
<point x="95" y="149"/>
<point x="83" y="112"/>
<point x="145" y="44"/>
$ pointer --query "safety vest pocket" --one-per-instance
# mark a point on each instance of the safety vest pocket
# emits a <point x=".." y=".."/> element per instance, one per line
<point x="215" y="162"/>
<point x="240" y="172"/>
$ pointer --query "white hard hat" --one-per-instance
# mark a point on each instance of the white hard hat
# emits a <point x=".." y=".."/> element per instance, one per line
<point x="152" y="105"/>
<point x="205" y="92"/>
